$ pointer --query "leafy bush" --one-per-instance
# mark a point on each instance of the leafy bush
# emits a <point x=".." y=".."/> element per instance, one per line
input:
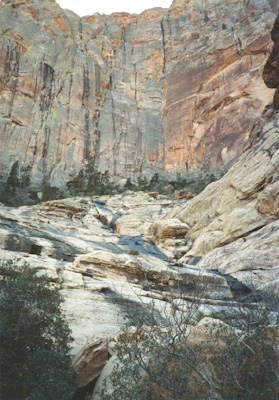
<point x="35" y="339"/>
<point x="179" y="361"/>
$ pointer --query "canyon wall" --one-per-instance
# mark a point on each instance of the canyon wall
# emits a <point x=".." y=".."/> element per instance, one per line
<point x="139" y="249"/>
<point x="170" y="91"/>
<point x="233" y="224"/>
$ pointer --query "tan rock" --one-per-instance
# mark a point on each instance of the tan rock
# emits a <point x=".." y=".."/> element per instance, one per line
<point x="244" y="200"/>
<point x="183" y="194"/>
<point x="91" y="360"/>
<point x="268" y="200"/>
<point x="139" y="211"/>
<point x="102" y="264"/>
<point x="271" y="69"/>
<point x="166" y="229"/>
<point x="209" y="329"/>
<point x="72" y="280"/>
<point x="252" y="260"/>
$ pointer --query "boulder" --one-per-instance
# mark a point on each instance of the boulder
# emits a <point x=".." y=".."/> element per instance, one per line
<point x="164" y="229"/>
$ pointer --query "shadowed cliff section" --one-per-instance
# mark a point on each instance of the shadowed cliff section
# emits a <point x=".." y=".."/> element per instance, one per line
<point x="271" y="69"/>
<point x="173" y="92"/>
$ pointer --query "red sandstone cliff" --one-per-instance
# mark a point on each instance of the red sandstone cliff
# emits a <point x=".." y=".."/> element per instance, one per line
<point x="165" y="91"/>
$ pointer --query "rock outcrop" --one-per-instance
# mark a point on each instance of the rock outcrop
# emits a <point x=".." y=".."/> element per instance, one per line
<point x="167" y="91"/>
<point x="233" y="223"/>
<point x="237" y="215"/>
<point x="103" y="275"/>
<point x="131" y="92"/>
<point x="244" y="200"/>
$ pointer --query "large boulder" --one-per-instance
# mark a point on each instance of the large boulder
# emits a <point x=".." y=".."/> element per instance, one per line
<point x="165" y="229"/>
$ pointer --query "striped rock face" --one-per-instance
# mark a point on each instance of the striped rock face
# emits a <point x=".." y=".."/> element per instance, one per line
<point x="168" y="91"/>
<point x="233" y="225"/>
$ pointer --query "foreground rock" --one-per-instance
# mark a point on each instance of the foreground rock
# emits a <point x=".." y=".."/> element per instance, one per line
<point x="106" y="276"/>
<point x="168" y="229"/>
<point x="50" y="236"/>
<point x="252" y="260"/>
<point x="139" y="94"/>
<point x="103" y="275"/>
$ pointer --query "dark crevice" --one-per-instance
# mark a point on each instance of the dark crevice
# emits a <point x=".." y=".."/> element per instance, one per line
<point x="47" y="73"/>
<point x="164" y="46"/>
<point x="36" y="249"/>
<point x="238" y="289"/>
<point x="238" y="43"/>
<point x="83" y="392"/>
<point x="85" y="103"/>
<point x="114" y="136"/>
<point x="80" y="30"/>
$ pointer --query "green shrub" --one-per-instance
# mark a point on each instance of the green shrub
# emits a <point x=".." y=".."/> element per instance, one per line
<point x="51" y="193"/>
<point x="35" y="340"/>
<point x="157" y="361"/>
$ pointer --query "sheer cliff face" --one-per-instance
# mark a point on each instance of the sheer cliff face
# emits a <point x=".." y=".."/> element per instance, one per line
<point x="166" y="91"/>
<point x="233" y="225"/>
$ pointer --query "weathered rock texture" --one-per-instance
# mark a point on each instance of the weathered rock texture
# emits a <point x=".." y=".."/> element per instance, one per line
<point x="233" y="223"/>
<point x="242" y="205"/>
<point x="99" y="251"/>
<point x="244" y="200"/>
<point x="103" y="274"/>
<point x="165" y="91"/>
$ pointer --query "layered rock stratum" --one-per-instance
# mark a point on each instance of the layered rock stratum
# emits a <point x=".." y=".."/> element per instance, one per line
<point x="111" y="254"/>
<point x="169" y="91"/>
<point x="233" y="223"/>
<point x="102" y="273"/>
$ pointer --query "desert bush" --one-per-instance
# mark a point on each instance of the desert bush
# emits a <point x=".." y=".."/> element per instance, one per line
<point x="35" y="339"/>
<point x="183" y="361"/>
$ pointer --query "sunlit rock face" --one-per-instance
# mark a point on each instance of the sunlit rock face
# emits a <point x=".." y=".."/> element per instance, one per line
<point x="233" y="224"/>
<point x="167" y="91"/>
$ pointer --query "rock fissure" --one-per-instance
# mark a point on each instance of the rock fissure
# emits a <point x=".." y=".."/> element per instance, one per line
<point x="163" y="45"/>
